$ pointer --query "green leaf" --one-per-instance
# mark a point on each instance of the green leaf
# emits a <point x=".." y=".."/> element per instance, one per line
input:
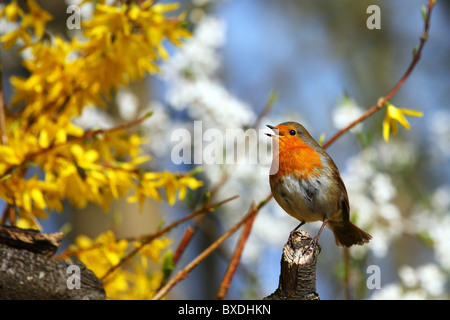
<point x="426" y="238"/>
<point x="424" y="13"/>
<point x="148" y="114"/>
<point x="6" y="177"/>
<point x="196" y="170"/>
<point x="273" y="97"/>
<point x="160" y="224"/>
<point x="167" y="265"/>
<point x="66" y="228"/>
<point x="206" y="197"/>
<point x="364" y="139"/>
<point x="321" y="139"/>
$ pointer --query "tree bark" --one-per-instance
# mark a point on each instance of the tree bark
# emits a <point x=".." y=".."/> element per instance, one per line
<point x="27" y="271"/>
<point x="298" y="270"/>
<point x="31" y="240"/>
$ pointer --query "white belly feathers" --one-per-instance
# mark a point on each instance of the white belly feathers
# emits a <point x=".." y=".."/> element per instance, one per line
<point x="301" y="198"/>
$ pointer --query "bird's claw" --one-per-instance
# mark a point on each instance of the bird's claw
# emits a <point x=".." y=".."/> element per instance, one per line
<point x="313" y="244"/>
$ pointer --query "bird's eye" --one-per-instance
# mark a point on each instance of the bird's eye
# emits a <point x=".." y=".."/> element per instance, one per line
<point x="292" y="132"/>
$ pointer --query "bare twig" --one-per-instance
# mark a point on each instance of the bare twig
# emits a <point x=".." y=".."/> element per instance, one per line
<point x="68" y="253"/>
<point x="273" y="97"/>
<point x="147" y="239"/>
<point x="234" y="262"/>
<point x="382" y="101"/>
<point x="253" y="210"/>
<point x="183" y="244"/>
<point x="178" y="252"/>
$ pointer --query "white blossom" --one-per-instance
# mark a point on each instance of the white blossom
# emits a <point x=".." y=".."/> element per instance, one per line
<point x="389" y="292"/>
<point x="345" y="113"/>
<point x="94" y="118"/>
<point x="382" y="188"/>
<point x="127" y="103"/>
<point x="439" y="127"/>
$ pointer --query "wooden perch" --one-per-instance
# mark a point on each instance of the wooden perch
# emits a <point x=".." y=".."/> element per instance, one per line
<point x="298" y="270"/>
<point x="27" y="272"/>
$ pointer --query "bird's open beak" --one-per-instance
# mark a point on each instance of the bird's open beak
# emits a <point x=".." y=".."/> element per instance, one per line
<point x="277" y="133"/>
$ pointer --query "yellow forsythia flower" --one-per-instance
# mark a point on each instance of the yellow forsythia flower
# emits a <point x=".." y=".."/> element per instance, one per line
<point x="138" y="280"/>
<point x="394" y="115"/>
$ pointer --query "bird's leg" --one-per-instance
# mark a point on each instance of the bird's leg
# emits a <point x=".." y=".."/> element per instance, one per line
<point x="314" y="240"/>
<point x="292" y="232"/>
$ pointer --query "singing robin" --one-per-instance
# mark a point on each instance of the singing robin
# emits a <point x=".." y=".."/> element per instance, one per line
<point x="306" y="183"/>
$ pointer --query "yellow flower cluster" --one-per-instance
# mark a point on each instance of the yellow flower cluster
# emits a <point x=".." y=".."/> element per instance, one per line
<point x="138" y="280"/>
<point x="46" y="158"/>
<point x="172" y="183"/>
<point x="120" y="43"/>
<point x="36" y="18"/>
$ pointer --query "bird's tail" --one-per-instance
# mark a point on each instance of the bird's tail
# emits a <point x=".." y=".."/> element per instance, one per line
<point x="347" y="234"/>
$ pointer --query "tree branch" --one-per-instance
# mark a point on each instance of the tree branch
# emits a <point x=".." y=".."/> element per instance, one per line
<point x="28" y="272"/>
<point x="298" y="270"/>
<point x="31" y="240"/>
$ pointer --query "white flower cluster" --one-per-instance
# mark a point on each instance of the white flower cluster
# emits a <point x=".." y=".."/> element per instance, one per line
<point x="439" y="127"/>
<point x="371" y="194"/>
<point x="372" y="197"/>
<point x="94" y="118"/>
<point x="191" y="75"/>
<point x="346" y="112"/>
<point x="433" y="223"/>
<point x="424" y="282"/>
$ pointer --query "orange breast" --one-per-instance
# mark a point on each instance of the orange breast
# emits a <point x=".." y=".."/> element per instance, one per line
<point x="299" y="159"/>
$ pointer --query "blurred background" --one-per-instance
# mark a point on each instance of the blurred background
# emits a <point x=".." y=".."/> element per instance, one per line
<point x="327" y="68"/>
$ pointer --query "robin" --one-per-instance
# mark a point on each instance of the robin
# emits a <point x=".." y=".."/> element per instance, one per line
<point x="306" y="183"/>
